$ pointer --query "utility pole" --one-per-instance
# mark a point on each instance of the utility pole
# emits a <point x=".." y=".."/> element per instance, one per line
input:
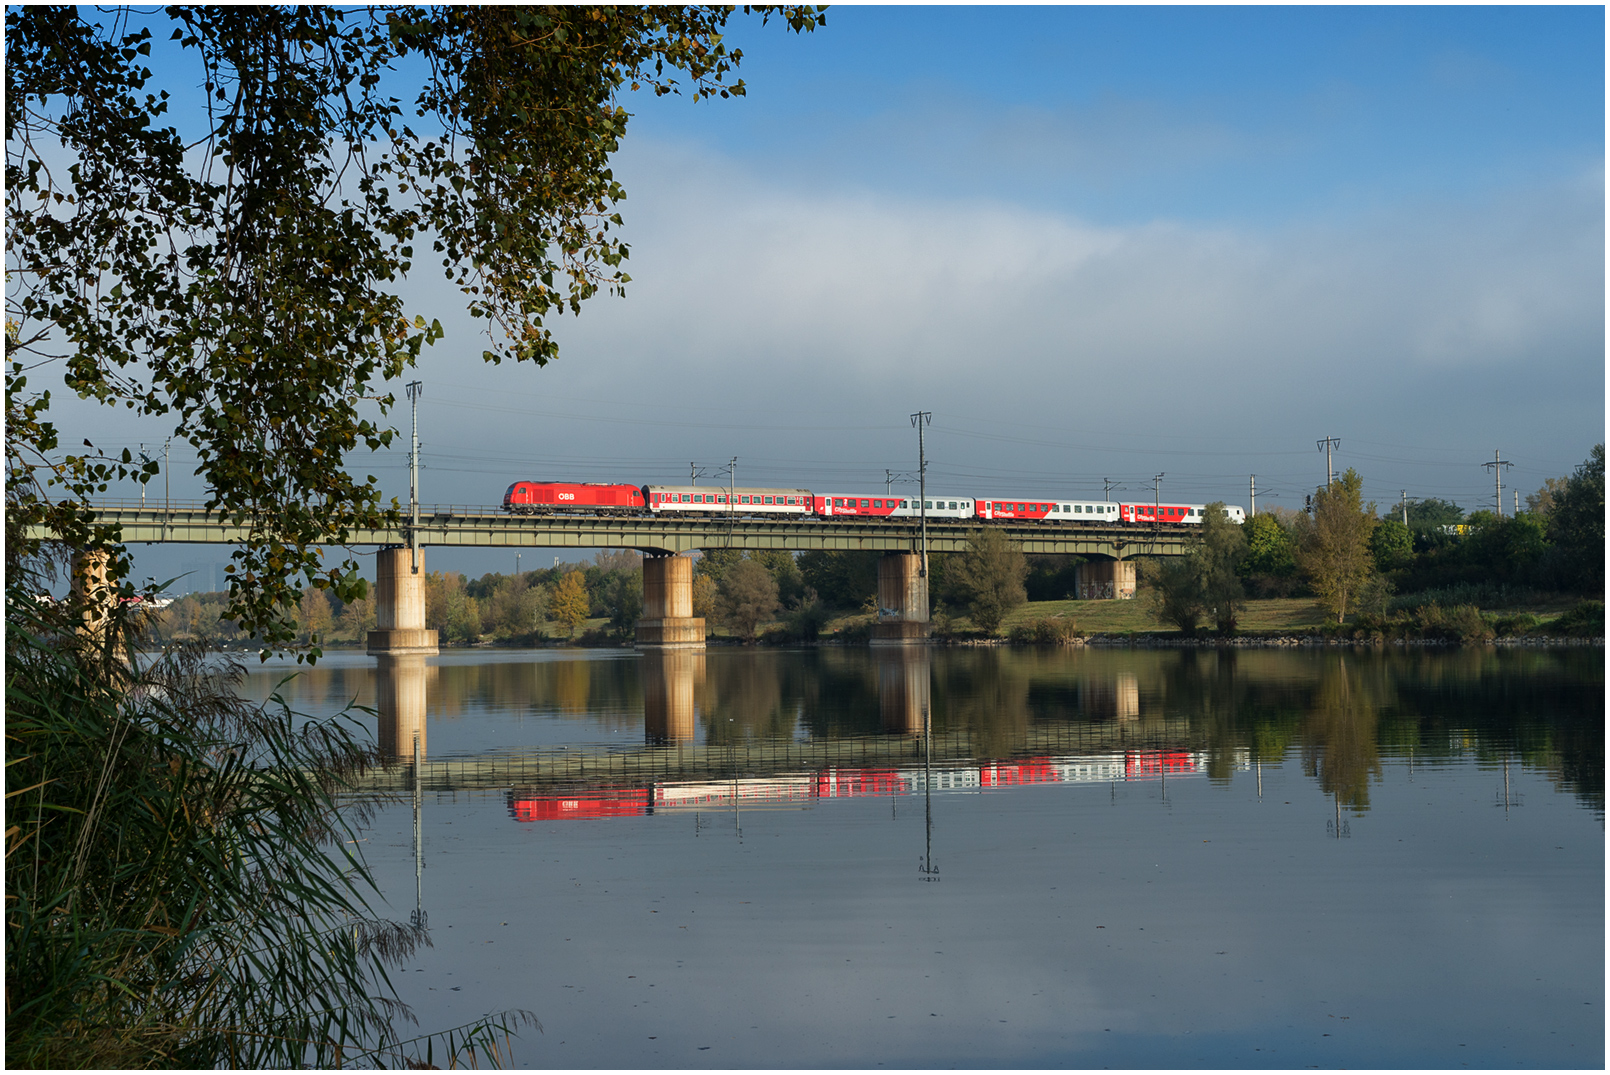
<point x="1252" y="494"/>
<point x="1325" y="446"/>
<point x="1157" y="505"/>
<point x="695" y="472"/>
<point x="415" y="389"/>
<point x="1107" y="486"/>
<point x="732" y="484"/>
<point x="1517" y="502"/>
<point x="920" y="419"/>
<point x="1498" y="466"/>
<point x="1403" y="500"/>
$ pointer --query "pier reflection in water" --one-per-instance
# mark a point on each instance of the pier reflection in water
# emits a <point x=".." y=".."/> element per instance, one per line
<point x="587" y="800"/>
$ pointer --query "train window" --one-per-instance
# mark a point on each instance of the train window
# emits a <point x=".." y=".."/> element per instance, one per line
<point x="720" y="499"/>
<point x="768" y="500"/>
<point x="927" y="505"/>
<point x="1020" y="507"/>
<point x="953" y="505"/>
<point x="866" y="504"/>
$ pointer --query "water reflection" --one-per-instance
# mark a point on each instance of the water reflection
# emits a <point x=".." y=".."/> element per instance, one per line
<point x="402" y="688"/>
<point x="1339" y="715"/>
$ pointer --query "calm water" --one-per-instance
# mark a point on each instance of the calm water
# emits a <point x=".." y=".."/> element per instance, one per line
<point x="1100" y="858"/>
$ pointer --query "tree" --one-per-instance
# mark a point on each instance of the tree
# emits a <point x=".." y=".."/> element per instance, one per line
<point x="705" y="594"/>
<point x="748" y="598"/>
<point x="1334" y="544"/>
<point x="1206" y="580"/>
<point x="236" y="271"/>
<point x="1216" y="555"/>
<point x="784" y="569"/>
<point x="623" y="601"/>
<point x="569" y="604"/>
<point x="988" y="575"/>
<point x="1270" y="565"/>
<point x="1433" y="514"/>
<point x="842" y="579"/>
<point x="1392" y="545"/>
<point x="715" y="563"/>
<point x="1576" y="524"/>
<point x="1176" y="592"/>
<point x="1542" y="502"/>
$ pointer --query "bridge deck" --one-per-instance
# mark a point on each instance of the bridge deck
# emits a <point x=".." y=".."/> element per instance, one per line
<point x="486" y="527"/>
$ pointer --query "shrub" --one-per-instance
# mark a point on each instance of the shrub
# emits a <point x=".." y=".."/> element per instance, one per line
<point x="1045" y="631"/>
<point x="1586" y="620"/>
<point x="1523" y="623"/>
<point x="1462" y="623"/>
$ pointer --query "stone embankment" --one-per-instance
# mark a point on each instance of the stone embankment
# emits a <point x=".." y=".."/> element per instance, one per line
<point x="1275" y="642"/>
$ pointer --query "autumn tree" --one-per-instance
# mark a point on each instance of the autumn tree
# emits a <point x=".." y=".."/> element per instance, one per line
<point x="1206" y="580"/>
<point x="988" y="576"/>
<point x="747" y="598"/>
<point x="569" y="604"/>
<point x="236" y="269"/>
<point x="1334" y="543"/>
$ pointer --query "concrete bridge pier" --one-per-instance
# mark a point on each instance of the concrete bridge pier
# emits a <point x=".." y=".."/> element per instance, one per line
<point x="670" y="713"/>
<point x="902" y="601"/>
<point x="400" y="604"/>
<point x="401" y="689"/>
<point x="668" y="621"/>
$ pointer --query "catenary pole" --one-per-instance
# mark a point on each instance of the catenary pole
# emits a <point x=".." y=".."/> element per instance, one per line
<point x="920" y="419"/>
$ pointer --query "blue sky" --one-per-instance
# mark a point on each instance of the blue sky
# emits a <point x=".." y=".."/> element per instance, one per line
<point x="1096" y="243"/>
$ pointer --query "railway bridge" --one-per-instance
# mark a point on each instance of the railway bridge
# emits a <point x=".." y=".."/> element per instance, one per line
<point x="668" y="621"/>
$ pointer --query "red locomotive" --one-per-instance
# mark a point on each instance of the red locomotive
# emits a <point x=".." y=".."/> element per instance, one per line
<point x="595" y="498"/>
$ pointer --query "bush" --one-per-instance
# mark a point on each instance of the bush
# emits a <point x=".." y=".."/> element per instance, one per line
<point x="1462" y="623"/>
<point x="1045" y="631"/>
<point x="1586" y="620"/>
<point x="808" y="616"/>
<point x="1523" y="623"/>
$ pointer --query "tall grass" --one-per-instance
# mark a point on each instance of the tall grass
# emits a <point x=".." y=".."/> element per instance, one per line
<point x="182" y="885"/>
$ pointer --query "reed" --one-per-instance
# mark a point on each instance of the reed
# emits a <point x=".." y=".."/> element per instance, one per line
<point x="183" y="885"/>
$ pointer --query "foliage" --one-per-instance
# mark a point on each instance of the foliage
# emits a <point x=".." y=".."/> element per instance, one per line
<point x="748" y="597"/>
<point x="1175" y="593"/>
<point x="1433" y="514"/>
<point x="569" y="605"/>
<point x="1392" y="545"/>
<point x="785" y="570"/>
<point x="241" y="276"/>
<point x="515" y="608"/>
<point x="183" y="888"/>
<point x="1044" y="631"/>
<point x="1334" y="544"/>
<point x="705" y="595"/>
<point x="807" y="616"/>
<point x="1576" y="524"/>
<point x="1206" y="581"/>
<point x="1586" y="620"/>
<point x="1052" y="577"/>
<point x="623" y="601"/>
<point x="842" y="579"/>
<point x="1270" y="566"/>
<point x="988" y="575"/>
<point x="715" y="563"/>
<point x="1542" y="502"/>
<point x="1216" y="554"/>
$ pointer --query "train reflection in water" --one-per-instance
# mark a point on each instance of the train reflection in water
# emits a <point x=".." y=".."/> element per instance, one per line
<point x="803" y="789"/>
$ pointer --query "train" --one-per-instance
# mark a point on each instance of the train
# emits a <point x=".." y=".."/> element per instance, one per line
<point x="604" y="498"/>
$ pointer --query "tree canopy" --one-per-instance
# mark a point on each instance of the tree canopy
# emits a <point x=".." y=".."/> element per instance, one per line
<point x="1334" y="543"/>
<point x="235" y="270"/>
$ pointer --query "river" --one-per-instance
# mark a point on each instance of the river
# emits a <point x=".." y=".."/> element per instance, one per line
<point x="995" y="857"/>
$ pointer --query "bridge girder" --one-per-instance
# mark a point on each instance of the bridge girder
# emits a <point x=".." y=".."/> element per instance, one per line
<point x="660" y="536"/>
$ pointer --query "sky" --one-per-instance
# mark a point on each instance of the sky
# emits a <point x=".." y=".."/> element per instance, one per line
<point x="1098" y="244"/>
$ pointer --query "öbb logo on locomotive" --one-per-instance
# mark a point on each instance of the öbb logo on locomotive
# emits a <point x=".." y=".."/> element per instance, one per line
<point x="605" y="498"/>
